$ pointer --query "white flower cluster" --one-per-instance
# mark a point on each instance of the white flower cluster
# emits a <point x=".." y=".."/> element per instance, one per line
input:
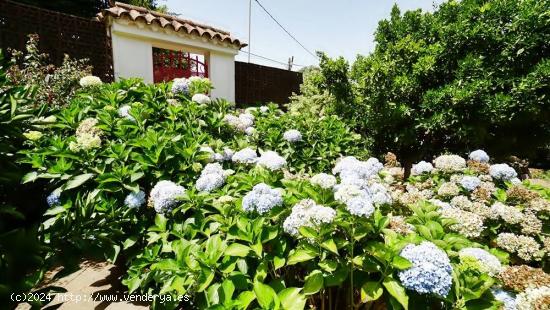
<point x="507" y="298"/>
<point x="164" y="196"/>
<point x="467" y="223"/>
<point x="448" y="189"/>
<point x="292" y="135"/>
<point x="525" y="247"/>
<point x="307" y="213"/>
<point x="450" y="163"/>
<point x="421" y="168"/>
<point x="124" y="112"/>
<point x="88" y="136"/>
<point x="488" y="262"/>
<point x="180" y="86"/>
<point x="470" y="183"/>
<point x="352" y="168"/>
<point x="479" y="155"/>
<point x="271" y="160"/>
<point x="201" y="99"/>
<point x="323" y="180"/>
<point x="534" y="298"/>
<point x="212" y="177"/>
<point x="89" y="81"/>
<point x="245" y="156"/>
<point x="135" y="200"/>
<point x="262" y="198"/>
<point x="241" y="122"/>
<point x="509" y="214"/>
<point x="502" y="172"/>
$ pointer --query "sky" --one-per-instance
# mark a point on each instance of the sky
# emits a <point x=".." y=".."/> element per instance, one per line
<point x="338" y="28"/>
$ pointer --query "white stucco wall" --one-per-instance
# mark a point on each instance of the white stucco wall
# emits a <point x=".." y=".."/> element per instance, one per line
<point x="133" y="54"/>
<point x="221" y="69"/>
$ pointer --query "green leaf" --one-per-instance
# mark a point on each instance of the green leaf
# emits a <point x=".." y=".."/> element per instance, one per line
<point x="29" y="177"/>
<point x="330" y="245"/>
<point x="205" y="278"/>
<point x="55" y="211"/>
<point x="400" y="262"/>
<point x="245" y="298"/>
<point x="291" y="299"/>
<point x="278" y="262"/>
<point x="78" y="180"/>
<point x="314" y="282"/>
<point x="371" y="291"/>
<point x="228" y="288"/>
<point x="266" y="296"/>
<point x="301" y="255"/>
<point x="397" y="291"/>
<point x="237" y="249"/>
<point x="308" y="232"/>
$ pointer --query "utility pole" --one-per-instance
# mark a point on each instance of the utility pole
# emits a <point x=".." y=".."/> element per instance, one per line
<point x="249" y="27"/>
<point x="290" y="63"/>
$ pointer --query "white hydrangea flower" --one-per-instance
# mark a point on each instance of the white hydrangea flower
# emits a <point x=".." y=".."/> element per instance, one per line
<point x="245" y="156"/>
<point x="323" y="180"/>
<point x="309" y="214"/>
<point x="533" y="298"/>
<point x="351" y="167"/>
<point x="469" y="224"/>
<point x="345" y="192"/>
<point x="509" y="214"/>
<point x="379" y="194"/>
<point x="262" y="198"/>
<point x="124" y="112"/>
<point x="250" y="131"/>
<point x="450" y="163"/>
<point x="488" y="262"/>
<point x="240" y="123"/>
<point x="479" y="155"/>
<point x="440" y="204"/>
<point x="164" y="196"/>
<point x="448" y="189"/>
<point x="201" y="99"/>
<point x="271" y="160"/>
<point x="264" y="109"/>
<point x="227" y="153"/>
<point x="502" y="172"/>
<point x="360" y="206"/>
<point x="292" y="135"/>
<point x="212" y="177"/>
<point x="421" y="167"/>
<point x="470" y="182"/>
<point x="89" y="81"/>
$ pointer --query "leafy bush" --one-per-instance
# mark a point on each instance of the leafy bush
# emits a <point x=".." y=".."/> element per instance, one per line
<point x="231" y="230"/>
<point x="55" y="86"/>
<point x="471" y="74"/>
<point x="313" y="99"/>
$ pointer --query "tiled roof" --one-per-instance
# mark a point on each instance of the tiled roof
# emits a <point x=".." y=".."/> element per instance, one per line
<point x="134" y="13"/>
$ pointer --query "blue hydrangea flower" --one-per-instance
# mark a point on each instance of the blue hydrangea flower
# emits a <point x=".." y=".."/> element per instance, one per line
<point x="53" y="199"/>
<point x="431" y="271"/>
<point x="164" y="196"/>
<point x="135" y="200"/>
<point x="470" y="182"/>
<point x="502" y="172"/>
<point x="360" y="206"/>
<point x="262" y="198"/>
<point x="507" y="298"/>
<point x="180" y="86"/>
<point x="479" y="155"/>
<point x="245" y="156"/>
<point x="212" y="177"/>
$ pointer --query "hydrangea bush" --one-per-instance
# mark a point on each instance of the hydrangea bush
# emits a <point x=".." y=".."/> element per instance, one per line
<point x="270" y="221"/>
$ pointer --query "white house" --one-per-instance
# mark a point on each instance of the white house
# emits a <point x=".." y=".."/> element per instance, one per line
<point x="156" y="47"/>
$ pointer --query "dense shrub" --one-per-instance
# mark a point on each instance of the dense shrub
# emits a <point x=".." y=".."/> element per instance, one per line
<point x="228" y="208"/>
<point x="313" y="99"/>
<point x="473" y="73"/>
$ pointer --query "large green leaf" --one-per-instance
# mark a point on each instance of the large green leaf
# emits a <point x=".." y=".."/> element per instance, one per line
<point x="266" y="296"/>
<point x="291" y="299"/>
<point x="78" y="180"/>
<point x="237" y="249"/>
<point x="371" y="291"/>
<point x="314" y="282"/>
<point x="397" y="291"/>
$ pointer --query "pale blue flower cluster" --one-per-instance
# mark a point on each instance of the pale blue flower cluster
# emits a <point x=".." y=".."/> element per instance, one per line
<point x="164" y="196"/>
<point x="507" y="298"/>
<point x="480" y="156"/>
<point x="431" y="271"/>
<point x="292" y="135"/>
<point x="351" y="167"/>
<point x="502" y="172"/>
<point x="422" y="167"/>
<point x="360" y="206"/>
<point x="470" y="182"/>
<point x="212" y="177"/>
<point x="262" y="198"/>
<point x="180" y="86"/>
<point x="245" y="156"/>
<point x="271" y="160"/>
<point x="307" y="213"/>
<point x="323" y="180"/>
<point x="135" y="200"/>
<point x="53" y="199"/>
<point x="379" y="194"/>
<point x="124" y="111"/>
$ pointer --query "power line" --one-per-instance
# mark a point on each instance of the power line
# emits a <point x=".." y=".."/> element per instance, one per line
<point x="276" y="21"/>
<point x="276" y="61"/>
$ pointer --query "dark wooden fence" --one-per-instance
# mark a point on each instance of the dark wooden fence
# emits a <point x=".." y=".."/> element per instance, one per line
<point x="260" y="84"/>
<point x="59" y="34"/>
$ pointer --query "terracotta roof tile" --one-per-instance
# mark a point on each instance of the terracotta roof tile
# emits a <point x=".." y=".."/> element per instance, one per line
<point x="121" y="10"/>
